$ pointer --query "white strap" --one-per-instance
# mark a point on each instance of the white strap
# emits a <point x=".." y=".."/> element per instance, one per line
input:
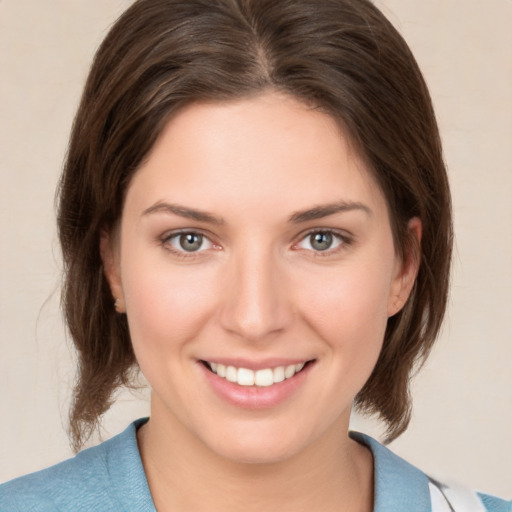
<point x="439" y="503"/>
<point x="454" y="498"/>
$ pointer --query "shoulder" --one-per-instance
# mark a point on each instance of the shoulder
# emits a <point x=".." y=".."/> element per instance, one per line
<point x="401" y="487"/>
<point x="74" y="483"/>
<point x="101" y="478"/>
<point x="495" y="504"/>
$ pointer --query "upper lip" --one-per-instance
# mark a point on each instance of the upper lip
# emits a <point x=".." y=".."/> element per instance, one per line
<point x="256" y="365"/>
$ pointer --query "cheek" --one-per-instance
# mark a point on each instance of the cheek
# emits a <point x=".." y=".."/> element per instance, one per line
<point x="359" y="294"/>
<point x="166" y="305"/>
<point x="349" y="308"/>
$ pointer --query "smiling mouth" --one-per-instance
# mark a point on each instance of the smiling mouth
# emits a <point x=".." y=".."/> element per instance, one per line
<point x="261" y="378"/>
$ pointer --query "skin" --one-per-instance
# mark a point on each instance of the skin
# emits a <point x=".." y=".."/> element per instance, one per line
<point x="257" y="288"/>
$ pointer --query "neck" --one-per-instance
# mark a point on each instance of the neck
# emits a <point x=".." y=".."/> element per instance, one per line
<point x="333" y="473"/>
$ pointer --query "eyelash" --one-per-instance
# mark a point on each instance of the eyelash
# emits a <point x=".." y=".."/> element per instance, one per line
<point x="166" y="242"/>
<point x="344" y="241"/>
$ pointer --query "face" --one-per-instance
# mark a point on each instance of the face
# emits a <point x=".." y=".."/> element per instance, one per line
<point x="256" y="265"/>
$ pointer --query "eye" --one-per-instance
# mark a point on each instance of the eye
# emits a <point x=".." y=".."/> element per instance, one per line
<point x="188" y="241"/>
<point x="321" y="241"/>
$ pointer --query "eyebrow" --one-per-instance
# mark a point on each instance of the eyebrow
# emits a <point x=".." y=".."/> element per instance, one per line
<point x="324" y="210"/>
<point x="317" y="212"/>
<point x="183" y="211"/>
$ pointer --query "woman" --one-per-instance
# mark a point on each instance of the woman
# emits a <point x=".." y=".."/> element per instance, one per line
<point x="254" y="212"/>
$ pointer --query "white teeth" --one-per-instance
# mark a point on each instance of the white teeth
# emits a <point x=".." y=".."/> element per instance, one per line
<point x="245" y="377"/>
<point x="262" y="378"/>
<point x="231" y="374"/>
<point x="289" y="371"/>
<point x="279" y="374"/>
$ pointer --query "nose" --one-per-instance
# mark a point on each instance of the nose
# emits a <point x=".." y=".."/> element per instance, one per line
<point x="256" y="305"/>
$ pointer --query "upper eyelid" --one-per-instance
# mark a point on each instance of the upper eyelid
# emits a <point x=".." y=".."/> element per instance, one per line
<point x="165" y="240"/>
<point x="342" y="233"/>
<point x="175" y="232"/>
<point x="346" y="241"/>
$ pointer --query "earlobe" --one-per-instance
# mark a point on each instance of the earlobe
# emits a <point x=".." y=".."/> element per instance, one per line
<point x="407" y="269"/>
<point x="110" y="258"/>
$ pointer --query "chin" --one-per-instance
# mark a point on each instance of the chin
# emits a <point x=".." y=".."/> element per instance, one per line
<point x="254" y="445"/>
<point x="252" y="453"/>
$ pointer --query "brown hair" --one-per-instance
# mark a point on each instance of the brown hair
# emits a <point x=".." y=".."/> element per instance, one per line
<point x="344" y="57"/>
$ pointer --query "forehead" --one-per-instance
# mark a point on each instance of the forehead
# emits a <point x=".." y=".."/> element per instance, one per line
<point x="258" y="150"/>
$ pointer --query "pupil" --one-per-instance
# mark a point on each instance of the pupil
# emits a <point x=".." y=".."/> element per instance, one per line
<point x="321" y="241"/>
<point x="191" y="241"/>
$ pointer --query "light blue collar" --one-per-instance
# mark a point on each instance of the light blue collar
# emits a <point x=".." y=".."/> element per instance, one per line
<point x="126" y="472"/>
<point x="399" y="486"/>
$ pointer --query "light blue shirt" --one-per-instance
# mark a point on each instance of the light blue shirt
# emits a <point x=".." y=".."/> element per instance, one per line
<point x="110" y="478"/>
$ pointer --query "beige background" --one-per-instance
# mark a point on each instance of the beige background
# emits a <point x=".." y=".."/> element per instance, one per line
<point x="462" y="425"/>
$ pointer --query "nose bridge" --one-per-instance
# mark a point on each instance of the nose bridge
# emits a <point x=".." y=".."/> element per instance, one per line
<point x="256" y="304"/>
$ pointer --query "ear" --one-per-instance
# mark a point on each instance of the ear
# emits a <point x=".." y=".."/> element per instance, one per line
<point x="406" y="269"/>
<point x="109" y="251"/>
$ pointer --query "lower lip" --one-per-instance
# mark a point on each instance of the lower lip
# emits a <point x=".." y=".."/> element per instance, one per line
<point x="255" y="397"/>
